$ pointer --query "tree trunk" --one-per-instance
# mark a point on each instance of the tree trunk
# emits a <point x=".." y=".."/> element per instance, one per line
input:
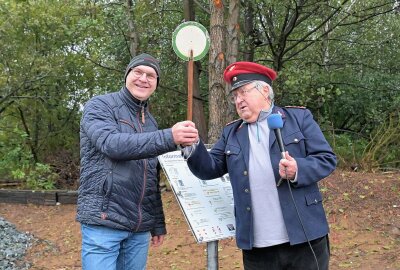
<point x="132" y="36"/>
<point x="198" y="108"/>
<point x="249" y="32"/>
<point x="28" y="133"/>
<point x="232" y="48"/>
<point x="217" y="64"/>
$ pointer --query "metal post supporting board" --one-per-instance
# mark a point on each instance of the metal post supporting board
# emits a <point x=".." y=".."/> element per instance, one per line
<point x="212" y="255"/>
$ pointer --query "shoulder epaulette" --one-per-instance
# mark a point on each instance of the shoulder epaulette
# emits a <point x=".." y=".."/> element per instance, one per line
<point x="233" y="122"/>
<point x="296" y="107"/>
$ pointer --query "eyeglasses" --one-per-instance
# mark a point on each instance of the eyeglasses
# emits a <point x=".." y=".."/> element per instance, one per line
<point x="232" y="97"/>
<point x="151" y="77"/>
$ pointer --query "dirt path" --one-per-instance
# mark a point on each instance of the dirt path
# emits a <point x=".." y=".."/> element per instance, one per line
<point x="363" y="210"/>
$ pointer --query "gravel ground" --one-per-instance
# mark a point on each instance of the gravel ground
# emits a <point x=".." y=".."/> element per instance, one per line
<point x="13" y="245"/>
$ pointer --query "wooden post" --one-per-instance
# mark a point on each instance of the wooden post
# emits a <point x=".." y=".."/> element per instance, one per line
<point x="190" y="88"/>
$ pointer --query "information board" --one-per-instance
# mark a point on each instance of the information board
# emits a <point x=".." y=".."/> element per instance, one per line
<point x="206" y="204"/>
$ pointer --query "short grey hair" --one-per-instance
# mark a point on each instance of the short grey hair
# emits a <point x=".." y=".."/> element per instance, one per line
<point x="261" y="84"/>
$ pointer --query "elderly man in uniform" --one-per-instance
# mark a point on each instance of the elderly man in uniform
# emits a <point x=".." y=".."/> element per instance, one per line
<point x="277" y="226"/>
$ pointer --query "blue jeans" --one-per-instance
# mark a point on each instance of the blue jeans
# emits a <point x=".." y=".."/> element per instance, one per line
<point x="112" y="249"/>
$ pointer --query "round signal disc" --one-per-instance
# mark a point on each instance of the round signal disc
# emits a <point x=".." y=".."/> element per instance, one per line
<point x="190" y="36"/>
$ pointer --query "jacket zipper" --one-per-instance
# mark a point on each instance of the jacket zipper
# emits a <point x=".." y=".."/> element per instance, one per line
<point x="144" y="177"/>
<point x="143" y="119"/>
<point x="144" y="166"/>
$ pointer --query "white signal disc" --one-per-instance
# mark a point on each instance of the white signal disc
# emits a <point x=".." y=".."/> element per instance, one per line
<point x="190" y="36"/>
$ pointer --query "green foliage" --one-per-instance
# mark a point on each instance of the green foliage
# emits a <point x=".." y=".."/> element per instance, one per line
<point x="55" y="55"/>
<point x="15" y="155"/>
<point x="348" y="148"/>
<point x="49" y="66"/>
<point x="341" y="65"/>
<point x="381" y="151"/>
<point x="378" y="151"/>
<point x="17" y="163"/>
<point x="36" y="177"/>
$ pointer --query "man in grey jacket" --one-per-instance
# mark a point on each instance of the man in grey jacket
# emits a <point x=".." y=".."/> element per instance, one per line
<point x="119" y="202"/>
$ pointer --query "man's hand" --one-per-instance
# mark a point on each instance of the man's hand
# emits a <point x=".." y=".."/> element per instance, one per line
<point x="185" y="133"/>
<point x="290" y="164"/>
<point x="157" y="240"/>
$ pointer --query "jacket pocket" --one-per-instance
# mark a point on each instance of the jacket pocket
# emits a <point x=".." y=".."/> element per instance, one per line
<point x="106" y="189"/>
<point x="126" y="126"/>
<point x="232" y="155"/>
<point x="294" y="138"/>
<point x="231" y="150"/>
<point x="313" y="198"/>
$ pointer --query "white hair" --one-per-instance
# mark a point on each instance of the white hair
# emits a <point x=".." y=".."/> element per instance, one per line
<point x="261" y="84"/>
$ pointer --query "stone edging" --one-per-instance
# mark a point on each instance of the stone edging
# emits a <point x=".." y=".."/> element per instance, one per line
<point x="51" y="197"/>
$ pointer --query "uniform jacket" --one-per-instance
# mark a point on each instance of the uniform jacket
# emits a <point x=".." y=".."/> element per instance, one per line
<point x="305" y="142"/>
<point x="119" y="181"/>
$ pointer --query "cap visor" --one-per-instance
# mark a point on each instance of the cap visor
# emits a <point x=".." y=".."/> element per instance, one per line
<point x="239" y="84"/>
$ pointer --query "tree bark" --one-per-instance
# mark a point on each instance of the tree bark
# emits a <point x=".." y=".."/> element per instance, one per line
<point x="249" y="32"/>
<point x="217" y="64"/>
<point x="132" y="36"/>
<point x="232" y="48"/>
<point x="28" y="133"/>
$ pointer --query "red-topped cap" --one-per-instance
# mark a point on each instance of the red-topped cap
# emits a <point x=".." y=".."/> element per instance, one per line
<point x="241" y="73"/>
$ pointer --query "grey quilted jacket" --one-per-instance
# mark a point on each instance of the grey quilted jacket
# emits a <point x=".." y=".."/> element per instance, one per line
<point x="119" y="177"/>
